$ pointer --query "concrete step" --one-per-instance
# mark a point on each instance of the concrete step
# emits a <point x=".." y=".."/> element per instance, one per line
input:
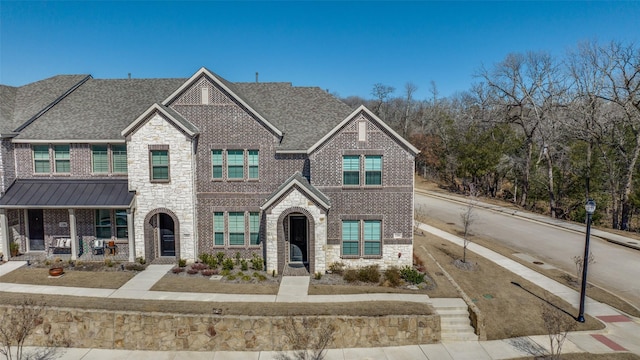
<point x="459" y="337"/>
<point x="452" y="321"/>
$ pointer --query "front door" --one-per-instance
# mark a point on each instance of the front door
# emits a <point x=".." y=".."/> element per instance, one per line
<point x="167" y="236"/>
<point x="298" y="239"/>
<point x="36" y="230"/>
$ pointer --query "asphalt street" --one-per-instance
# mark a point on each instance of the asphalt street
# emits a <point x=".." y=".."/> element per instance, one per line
<point x="616" y="268"/>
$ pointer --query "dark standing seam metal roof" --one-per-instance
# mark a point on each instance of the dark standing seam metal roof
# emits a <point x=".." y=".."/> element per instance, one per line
<point x="65" y="194"/>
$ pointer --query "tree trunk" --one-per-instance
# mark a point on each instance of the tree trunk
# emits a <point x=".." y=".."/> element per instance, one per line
<point x="626" y="206"/>
<point x="552" y="199"/>
<point x="525" y="175"/>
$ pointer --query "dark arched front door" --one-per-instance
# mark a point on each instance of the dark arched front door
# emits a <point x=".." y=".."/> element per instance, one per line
<point x="298" y="239"/>
<point x="167" y="235"/>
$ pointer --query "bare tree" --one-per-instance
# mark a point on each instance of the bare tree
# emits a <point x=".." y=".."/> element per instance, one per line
<point x="308" y="338"/>
<point x="557" y="325"/>
<point x="468" y="217"/>
<point x="382" y="94"/>
<point x="16" y="325"/>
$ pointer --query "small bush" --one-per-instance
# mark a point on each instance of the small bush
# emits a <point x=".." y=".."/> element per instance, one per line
<point x="192" y="271"/>
<point x="370" y="274"/>
<point x="392" y="275"/>
<point x="200" y="266"/>
<point x="257" y="263"/>
<point x="231" y="277"/>
<point x="177" y="270"/>
<point x="244" y="265"/>
<point x="135" y="267"/>
<point x="237" y="256"/>
<point x="411" y="275"/>
<point x="227" y="264"/>
<point x="209" y="272"/>
<point x="182" y="262"/>
<point x="225" y="272"/>
<point x="109" y="262"/>
<point x="337" y="268"/>
<point x="220" y="257"/>
<point x="209" y="259"/>
<point x="350" y="275"/>
<point x="240" y="273"/>
<point x="141" y="260"/>
<point x="317" y="275"/>
<point x="246" y="278"/>
<point x="261" y="277"/>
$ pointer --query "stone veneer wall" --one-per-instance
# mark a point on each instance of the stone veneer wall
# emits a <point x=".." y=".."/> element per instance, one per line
<point x="295" y="199"/>
<point x="176" y="195"/>
<point x="162" y="331"/>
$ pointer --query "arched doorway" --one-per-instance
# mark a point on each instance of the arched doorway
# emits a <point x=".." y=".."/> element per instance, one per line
<point x="298" y="239"/>
<point x="166" y="235"/>
<point x="162" y="235"/>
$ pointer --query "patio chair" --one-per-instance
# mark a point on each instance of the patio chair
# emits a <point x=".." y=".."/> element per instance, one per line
<point x="97" y="247"/>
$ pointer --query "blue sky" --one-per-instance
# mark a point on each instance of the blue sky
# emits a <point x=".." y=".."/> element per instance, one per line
<point x="344" y="47"/>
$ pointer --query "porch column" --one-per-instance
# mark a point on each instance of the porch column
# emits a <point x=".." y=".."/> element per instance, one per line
<point x="131" y="236"/>
<point x="73" y="234"/>
<point x="4" y="234"/>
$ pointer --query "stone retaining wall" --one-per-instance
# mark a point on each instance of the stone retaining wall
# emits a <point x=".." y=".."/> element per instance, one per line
<point x="165" y="331"/>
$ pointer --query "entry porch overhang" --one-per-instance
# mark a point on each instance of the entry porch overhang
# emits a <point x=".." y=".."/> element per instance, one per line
<point x="68" y="194"/>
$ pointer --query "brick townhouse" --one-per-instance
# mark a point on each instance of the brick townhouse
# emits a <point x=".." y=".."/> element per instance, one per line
<point x="167" y="169"/>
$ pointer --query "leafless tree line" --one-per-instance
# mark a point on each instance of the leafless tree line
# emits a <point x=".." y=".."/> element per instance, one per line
<point x="534" y="129"/>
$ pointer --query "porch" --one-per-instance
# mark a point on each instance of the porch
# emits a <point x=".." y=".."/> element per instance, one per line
<point x="48" y="218"/>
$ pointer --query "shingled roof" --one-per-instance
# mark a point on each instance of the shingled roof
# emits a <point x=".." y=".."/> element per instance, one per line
<point x="303" y="114"/>
<point x="99" y="109"/>
<point x="20" y="104"/>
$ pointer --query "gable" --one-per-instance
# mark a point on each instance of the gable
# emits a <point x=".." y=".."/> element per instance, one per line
<point x="170" y="116"/>
<point x="373" y="125"/>
<point x="207" y="88"/>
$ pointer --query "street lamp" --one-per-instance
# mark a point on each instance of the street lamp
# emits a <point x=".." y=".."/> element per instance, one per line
<point x="590" y="208"/>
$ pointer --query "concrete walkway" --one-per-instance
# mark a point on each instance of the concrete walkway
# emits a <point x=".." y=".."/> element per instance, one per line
<point x="621" y="334"/>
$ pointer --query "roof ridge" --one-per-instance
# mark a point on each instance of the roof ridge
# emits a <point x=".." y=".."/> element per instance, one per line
<point x="52" y="104"/>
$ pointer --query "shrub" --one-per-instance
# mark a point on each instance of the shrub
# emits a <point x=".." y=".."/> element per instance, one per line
<point x="209" y="259"/>
<point x="192" y="271"/>
<point x="392" y="275"/>
<point x="177" y="270"/>
<point x="200" y="266"/>
<point x="244" y="265"/>
<point x="227" y="264"/>
<point x="135" y="267"/>
<point x="317" y="275"/>
<point x="182" y="262"/>
<point x="350" y="275"/>
<point x="141" y="260"/>
<point x="220" y="257"/>
<point x="225" y="272"/>
<point x="370" y="274"/>
<point x="237" y="256"/>
<point x="246" y="278"/>
<point x="337" y="268"/>
<point x="257" y="263"/>
<point x="261" y="277"/>
<point x="108" y="262"/>
<point x="411" y="275"/>
<point x="209" y="272"/>
<point x="231" y="277"/>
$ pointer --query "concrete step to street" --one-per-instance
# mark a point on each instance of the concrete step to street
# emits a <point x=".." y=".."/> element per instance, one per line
<point x="455" y="324"/>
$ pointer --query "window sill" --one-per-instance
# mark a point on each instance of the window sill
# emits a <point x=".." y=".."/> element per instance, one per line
<point x="160" y="181"/>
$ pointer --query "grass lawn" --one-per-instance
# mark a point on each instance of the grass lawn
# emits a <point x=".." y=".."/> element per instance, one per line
<point x="199" y="284"/>
<point x="74" y="278"/>
<point x="509" y="310"/>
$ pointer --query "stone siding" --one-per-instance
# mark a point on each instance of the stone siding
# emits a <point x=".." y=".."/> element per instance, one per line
<point x="165" y="331"/>
<point x="389" y="257"/>
<point x="175" y="195"/>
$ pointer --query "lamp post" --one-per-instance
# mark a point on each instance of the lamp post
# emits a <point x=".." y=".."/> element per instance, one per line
<point x="590" y="208"/>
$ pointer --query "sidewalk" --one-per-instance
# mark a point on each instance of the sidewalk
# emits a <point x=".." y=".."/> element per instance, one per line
<point x="621" y="334"/>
